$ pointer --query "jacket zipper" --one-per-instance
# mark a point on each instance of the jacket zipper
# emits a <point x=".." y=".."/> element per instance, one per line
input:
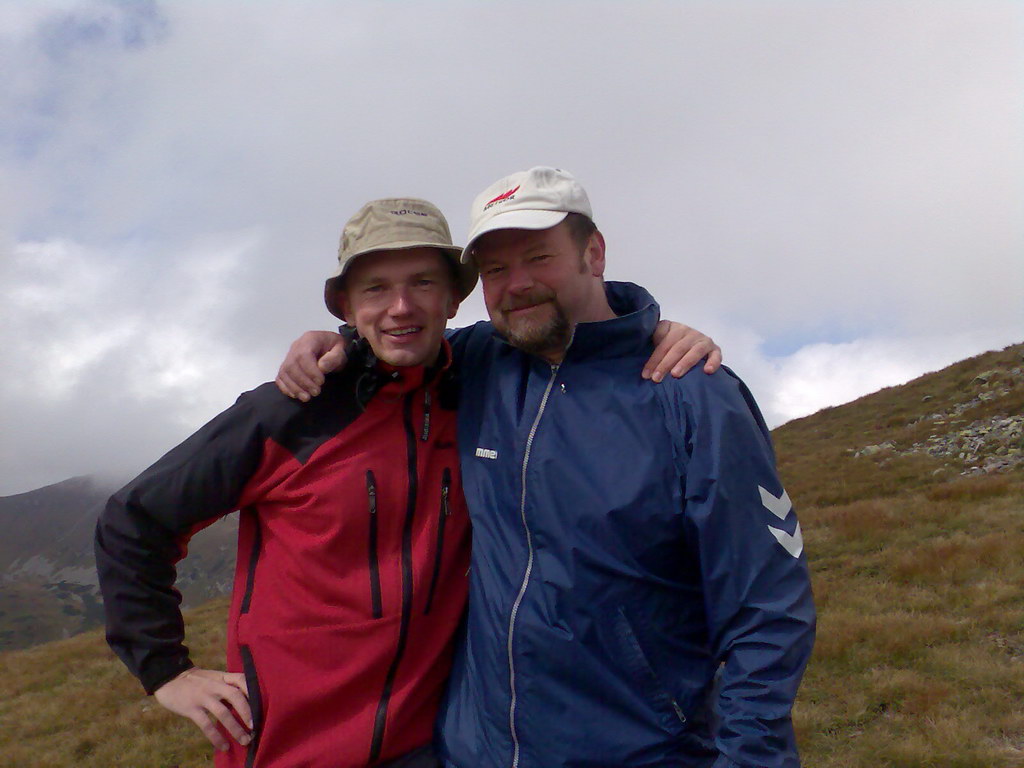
<point x="252" y="683"/>
<point x="250" y="576"/>
<point x="529" y="569"/>
<point x="640" y="667"/>
<point x="375" y="601"/>
<point x="380" y="719"/>
<point x="446" y="481"/>
<point x="248" y="666"/>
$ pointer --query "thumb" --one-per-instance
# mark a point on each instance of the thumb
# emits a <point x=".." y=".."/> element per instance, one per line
<point x="332" y="358"/>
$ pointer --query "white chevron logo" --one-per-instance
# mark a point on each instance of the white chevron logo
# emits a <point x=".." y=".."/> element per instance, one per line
<point x="793" y="544"/>
<point x="780" y="506"/>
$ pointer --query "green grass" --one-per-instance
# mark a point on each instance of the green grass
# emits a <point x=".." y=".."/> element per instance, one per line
<point x="918" y="575"/>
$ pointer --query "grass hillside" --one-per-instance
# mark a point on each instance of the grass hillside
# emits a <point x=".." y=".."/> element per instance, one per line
<point x="912" y="506"/>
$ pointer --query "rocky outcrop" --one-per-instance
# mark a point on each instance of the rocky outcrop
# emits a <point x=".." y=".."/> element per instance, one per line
<point x="981" y="446"/>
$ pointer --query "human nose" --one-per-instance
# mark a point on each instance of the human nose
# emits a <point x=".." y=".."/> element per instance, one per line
<point x="400" y="303"/>
<point x="519" y="279"/>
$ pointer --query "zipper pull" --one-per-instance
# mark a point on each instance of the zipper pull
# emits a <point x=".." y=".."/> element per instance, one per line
<point x="426" y="415"/>
<point x="371" y="491"/>
<point x="446" y="480"/>
<point x="679" y="712"/>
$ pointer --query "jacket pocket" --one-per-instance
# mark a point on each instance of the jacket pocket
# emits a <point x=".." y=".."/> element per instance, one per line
<point x="371" y="494"/>
<point x="445" y="511"/>
<point x="252" y="683"/>
<point x="639" y="666"/>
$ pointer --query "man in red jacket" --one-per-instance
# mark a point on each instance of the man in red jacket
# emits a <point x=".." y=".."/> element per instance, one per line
<point x="353" y="536"/>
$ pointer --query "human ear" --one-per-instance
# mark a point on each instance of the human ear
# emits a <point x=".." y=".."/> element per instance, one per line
<point x="594" y="254"/>
<point x="342" y="303"/>
<point x="453" y="307"/>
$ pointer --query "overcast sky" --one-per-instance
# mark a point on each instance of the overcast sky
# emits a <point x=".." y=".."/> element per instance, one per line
<point x="833" y="190"/>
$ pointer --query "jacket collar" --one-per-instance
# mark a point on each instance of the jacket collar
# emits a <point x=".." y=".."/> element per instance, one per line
<point x="374" y="375"/>
<point x="628" y="333"/>
<point x="414" y="376"/>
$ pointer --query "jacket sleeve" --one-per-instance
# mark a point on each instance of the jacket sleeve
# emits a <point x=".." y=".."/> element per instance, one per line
<point x="757" y="593"/>
<point x="144" y="530"/>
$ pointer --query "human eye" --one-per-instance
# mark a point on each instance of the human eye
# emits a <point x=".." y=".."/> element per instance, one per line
<point x="491" y="270"/>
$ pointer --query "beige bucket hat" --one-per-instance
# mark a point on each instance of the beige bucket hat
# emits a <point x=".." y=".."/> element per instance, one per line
<point x="396" y="223"/>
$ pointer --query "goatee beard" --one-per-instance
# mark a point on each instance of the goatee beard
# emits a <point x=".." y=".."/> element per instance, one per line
<point x="537" y="340"/>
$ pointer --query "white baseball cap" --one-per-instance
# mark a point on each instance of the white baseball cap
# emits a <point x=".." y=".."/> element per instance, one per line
<point x="535" y="199"/>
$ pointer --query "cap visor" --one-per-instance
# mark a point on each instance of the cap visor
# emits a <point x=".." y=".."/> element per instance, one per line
<point x="514" y="220"/>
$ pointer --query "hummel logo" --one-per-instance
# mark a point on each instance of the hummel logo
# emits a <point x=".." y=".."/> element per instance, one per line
<point x="780" y="506"/>
<point x="793" y="544"/>
<point x="503" y="196"/>
<point x="777" y="506"/>
<point x="486" y="453"/>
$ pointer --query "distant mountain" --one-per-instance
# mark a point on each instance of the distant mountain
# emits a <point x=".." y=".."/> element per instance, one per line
<point x="48" y="584"/>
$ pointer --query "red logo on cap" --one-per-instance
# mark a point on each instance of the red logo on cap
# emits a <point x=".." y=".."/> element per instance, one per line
<point x="502" y="196"/>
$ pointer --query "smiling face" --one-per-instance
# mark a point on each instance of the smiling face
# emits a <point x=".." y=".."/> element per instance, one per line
<point x="539" y="283"/>
<point x="400" y="302"/>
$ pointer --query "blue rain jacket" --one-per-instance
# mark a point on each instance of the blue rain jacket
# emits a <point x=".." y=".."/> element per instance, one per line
<point x="639" y="594"/>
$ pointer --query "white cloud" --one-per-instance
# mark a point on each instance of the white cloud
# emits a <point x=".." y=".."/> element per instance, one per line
<point x="822" y="185"/>
<point x="822" y="375"/>
<point x="110" y="358"/>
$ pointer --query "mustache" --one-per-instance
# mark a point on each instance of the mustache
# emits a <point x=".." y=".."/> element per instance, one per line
<point x="527" y="300"/>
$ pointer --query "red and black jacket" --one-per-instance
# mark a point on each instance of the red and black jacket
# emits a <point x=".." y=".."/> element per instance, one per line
<point x="353" y="551"/>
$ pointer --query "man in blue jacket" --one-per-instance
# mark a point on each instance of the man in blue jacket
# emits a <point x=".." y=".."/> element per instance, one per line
<point x="639" y="594"/>
<point x="630" y="540"/>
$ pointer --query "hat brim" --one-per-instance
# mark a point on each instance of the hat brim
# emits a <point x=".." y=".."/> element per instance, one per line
<point x="466" y="271"/>
<point x="512" y="220"/>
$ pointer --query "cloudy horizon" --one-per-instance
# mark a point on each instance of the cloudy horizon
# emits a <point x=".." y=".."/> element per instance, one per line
<point x="832" y="191"/>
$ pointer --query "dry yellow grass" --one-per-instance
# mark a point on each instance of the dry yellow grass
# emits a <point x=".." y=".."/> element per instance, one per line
<point x="71" y="703"/>
<point x="919" y="580"/>
<point x="920" y="653"/>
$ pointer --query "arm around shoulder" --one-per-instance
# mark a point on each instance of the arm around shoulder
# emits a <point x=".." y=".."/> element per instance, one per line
<point x="310" y="356"/>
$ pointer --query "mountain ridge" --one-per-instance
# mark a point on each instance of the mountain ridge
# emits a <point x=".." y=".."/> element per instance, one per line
<point x="50" y="589"/>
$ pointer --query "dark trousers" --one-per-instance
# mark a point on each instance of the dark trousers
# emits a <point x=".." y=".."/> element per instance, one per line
<point x="418" y="758"/>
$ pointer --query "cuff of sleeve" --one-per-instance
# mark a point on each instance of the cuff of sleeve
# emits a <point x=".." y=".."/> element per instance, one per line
<point x="160" y="671"/>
